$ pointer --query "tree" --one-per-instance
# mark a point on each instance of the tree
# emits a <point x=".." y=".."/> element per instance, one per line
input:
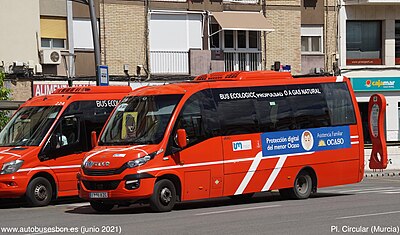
<point x="4" y="95"/>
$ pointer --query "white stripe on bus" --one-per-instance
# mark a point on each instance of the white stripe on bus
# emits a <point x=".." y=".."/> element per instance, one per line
<point x="48" y="168"/>
<point x="249" y="173"/>
<point x="274" y="174"/>
<point x="355" y="142"/>
<point x="339" y="79"/>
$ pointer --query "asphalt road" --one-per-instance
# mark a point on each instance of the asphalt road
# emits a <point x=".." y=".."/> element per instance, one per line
<point x="372" y="206"/>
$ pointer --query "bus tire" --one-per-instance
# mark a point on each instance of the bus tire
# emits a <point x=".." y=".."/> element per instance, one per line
<point x="164" y="196"/>
<point x="39" y="192"/>
<point x="302" y="186"/>
<point x="100" y="206"/>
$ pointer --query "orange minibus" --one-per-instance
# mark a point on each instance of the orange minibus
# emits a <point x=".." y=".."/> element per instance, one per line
<point x="226" y="134"/>
<point x="42" y="146"/>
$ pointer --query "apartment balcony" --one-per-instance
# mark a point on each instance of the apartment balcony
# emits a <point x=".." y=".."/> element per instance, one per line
<point x="372" y="2"/>
<point x="169" y="62"/>
<point x="199" y="62"/>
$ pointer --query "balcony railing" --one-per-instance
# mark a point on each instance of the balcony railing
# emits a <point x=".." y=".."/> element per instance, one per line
<point x="169" y="62"/>
<point x="242" y="1"/>
<point x="247" y="61"/>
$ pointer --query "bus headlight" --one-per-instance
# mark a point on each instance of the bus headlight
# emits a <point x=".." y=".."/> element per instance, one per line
<point x="138" y="162"/>
<point x="11" y="167"/>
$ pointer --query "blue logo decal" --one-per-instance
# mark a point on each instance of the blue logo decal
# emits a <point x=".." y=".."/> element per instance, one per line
<point x="306" y="140"/>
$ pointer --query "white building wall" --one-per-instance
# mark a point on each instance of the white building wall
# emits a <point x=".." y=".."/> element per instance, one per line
<point x="20" y="28"/>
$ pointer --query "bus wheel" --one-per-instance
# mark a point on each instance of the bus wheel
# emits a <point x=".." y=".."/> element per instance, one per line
<point x="302" y="186"/>
<point x="39" y="192"/>
<point x="164" y="196"/>
<point x="100" y="206"/>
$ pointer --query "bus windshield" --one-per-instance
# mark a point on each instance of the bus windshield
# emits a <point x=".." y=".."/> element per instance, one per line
<point x="139" y="120"/>
<point x="29" y="126"/>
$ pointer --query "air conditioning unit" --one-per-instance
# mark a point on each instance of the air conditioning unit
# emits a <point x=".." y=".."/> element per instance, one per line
<point x="50" y="56"/>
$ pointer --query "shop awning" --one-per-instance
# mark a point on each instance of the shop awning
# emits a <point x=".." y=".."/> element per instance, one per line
<point x="253" y="21"/>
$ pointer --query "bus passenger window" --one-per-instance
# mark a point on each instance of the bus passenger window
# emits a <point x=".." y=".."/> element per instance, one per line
<point x="237" y="115"/>
<point x="339" y="102"/>
<point x="310" y="110"/>
<point x="275" y="114"/>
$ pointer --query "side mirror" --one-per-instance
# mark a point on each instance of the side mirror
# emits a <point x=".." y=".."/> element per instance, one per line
<point x="181" y="138"/>
<point x="93" y="139"/>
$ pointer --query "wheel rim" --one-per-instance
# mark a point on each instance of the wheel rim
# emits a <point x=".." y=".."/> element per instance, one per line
<point x="165" y="196"/>
<point x="302" y="185"/>
<point x="41" y="192"/>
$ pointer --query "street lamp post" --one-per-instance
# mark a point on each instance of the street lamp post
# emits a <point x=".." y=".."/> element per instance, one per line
<point x="95" y="35"/>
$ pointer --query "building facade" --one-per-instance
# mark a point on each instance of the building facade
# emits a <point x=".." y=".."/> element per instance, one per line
<point x="369" y="46"/>
<point x="194" y="37"/>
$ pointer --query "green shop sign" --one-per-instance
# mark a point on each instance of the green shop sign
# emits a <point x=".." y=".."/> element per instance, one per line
<point x="376" y="84"/>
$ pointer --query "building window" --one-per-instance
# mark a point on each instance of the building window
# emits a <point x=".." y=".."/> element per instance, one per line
<point x="397" y="39"/>
<point x="363" y="43"/>
<point x="53" y="32"/>
<point x="52" y="43"/>
<point x="311" y="39"/>
<point x="215" y="36"/>
<point x="253" y="39"/>
<point x="228" y="39"/>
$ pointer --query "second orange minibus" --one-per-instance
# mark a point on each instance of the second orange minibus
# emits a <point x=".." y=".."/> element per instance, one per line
<point x="226" y="134"/>
<point x="43" y="144"/>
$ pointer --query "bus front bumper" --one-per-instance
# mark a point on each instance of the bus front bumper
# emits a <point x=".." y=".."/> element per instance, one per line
<point x="13" y="185"/>
<point x="130" y="188"/>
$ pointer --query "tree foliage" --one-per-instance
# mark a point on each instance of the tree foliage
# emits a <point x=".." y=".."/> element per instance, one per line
<point x="4" y="95"/>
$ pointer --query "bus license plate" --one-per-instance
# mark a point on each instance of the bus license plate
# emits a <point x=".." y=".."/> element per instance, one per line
<point x="99" y="195"/>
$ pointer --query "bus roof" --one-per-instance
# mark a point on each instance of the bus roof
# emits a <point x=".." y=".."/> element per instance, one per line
<point x="231" y="79"/>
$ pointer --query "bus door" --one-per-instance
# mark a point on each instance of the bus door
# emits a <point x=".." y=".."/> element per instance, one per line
<point x="202" y="157"/>
<point x="240" y="137"/>
<point x="64" y="149"/>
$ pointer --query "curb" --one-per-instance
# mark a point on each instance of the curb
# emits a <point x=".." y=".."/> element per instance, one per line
<point x="380" y="174"/>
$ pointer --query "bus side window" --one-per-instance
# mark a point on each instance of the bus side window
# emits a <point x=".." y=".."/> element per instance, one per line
<point x="65" y="138"/>
<point x="275" y="114"/>
<point x="198" y="118"/>
<point x="310" y="110"/>
<point x="236" y="114"/>
<point x="339" y="102"/>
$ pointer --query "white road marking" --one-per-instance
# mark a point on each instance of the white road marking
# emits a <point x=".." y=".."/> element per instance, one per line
<point x="75" y="204"/>
<point x="363" y="189"/>
<point x="237" y="210"/>
<point x="378" y="191"/>
<point x="367" y="215"/>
